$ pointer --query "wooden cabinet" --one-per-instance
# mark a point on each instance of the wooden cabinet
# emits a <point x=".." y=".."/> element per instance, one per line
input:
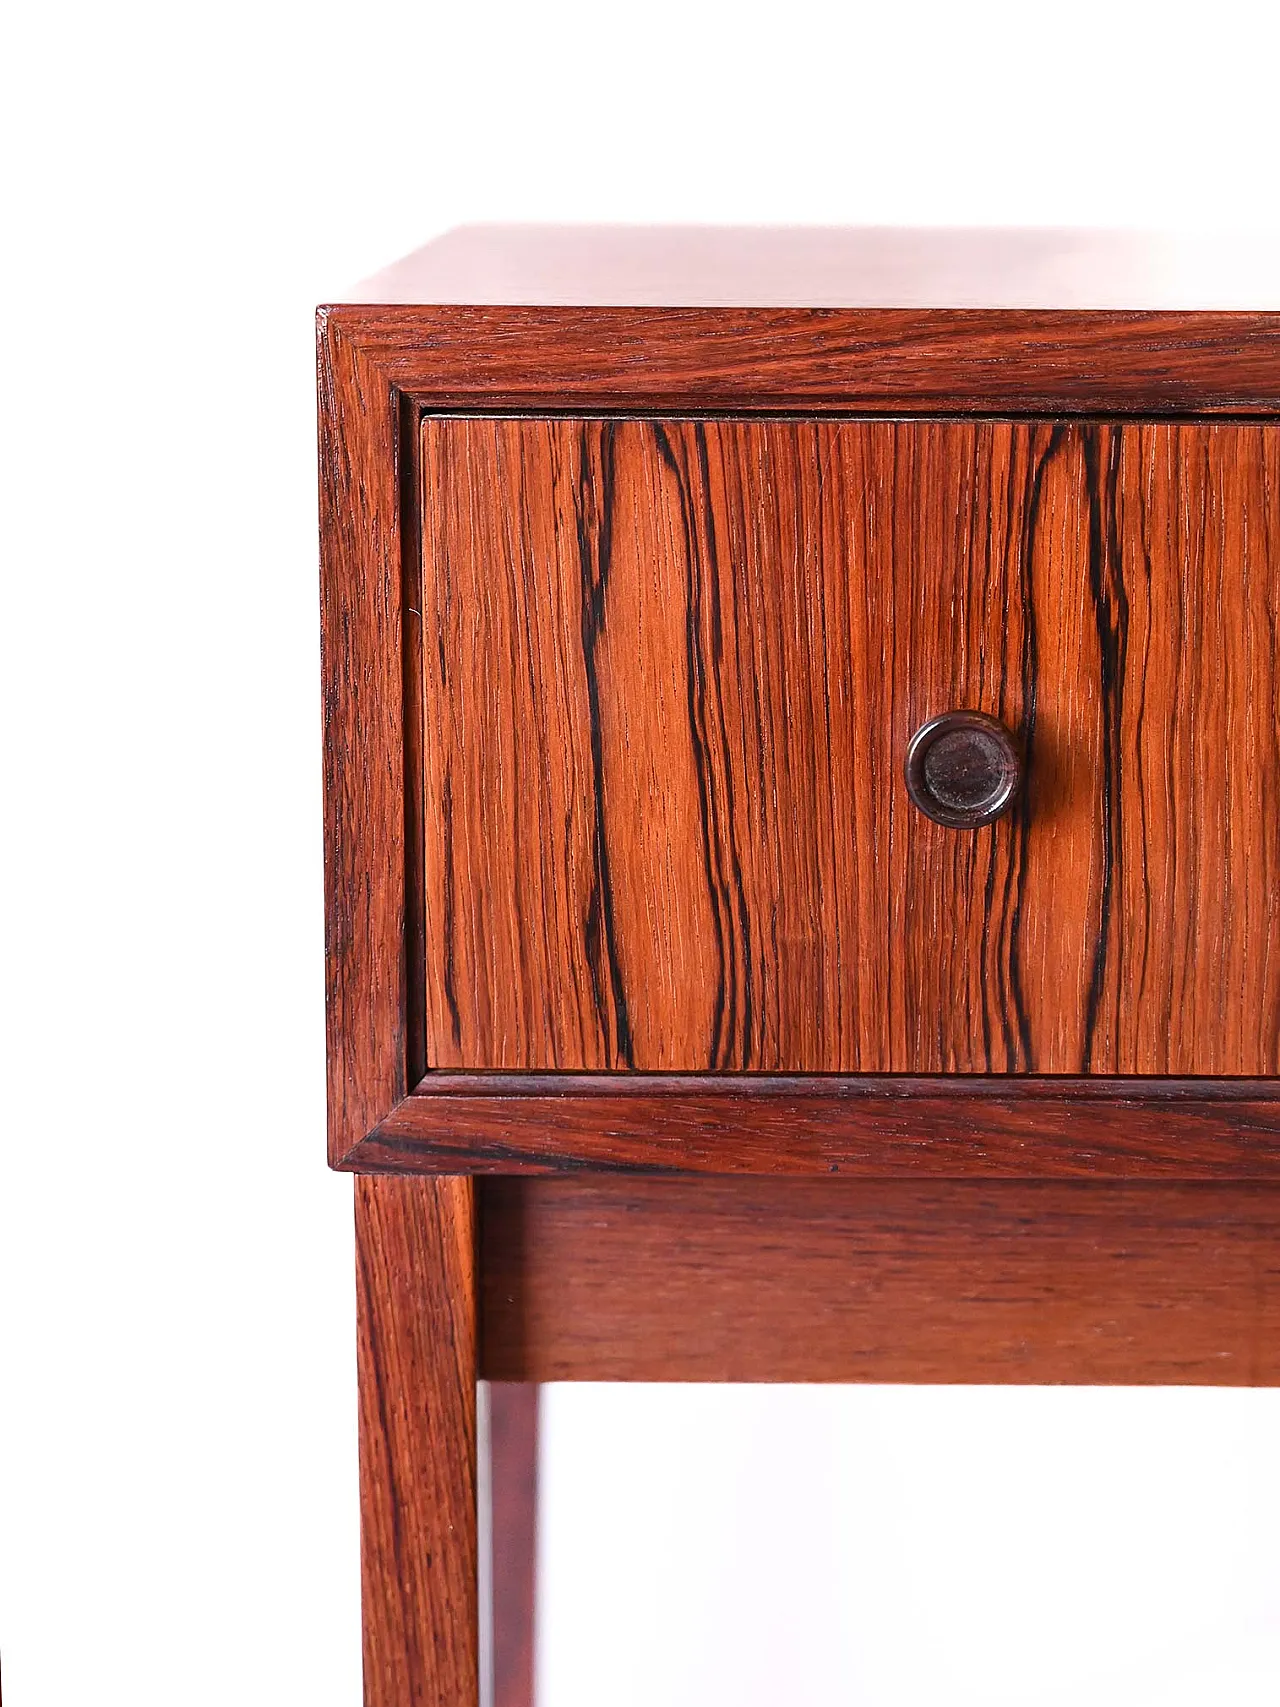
<point x="644" y="567"/>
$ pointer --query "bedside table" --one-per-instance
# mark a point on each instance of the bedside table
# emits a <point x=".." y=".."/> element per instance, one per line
<point x="802" y="828"/>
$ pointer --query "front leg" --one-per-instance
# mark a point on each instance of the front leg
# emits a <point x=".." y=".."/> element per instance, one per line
<point x="416" y="1303"/>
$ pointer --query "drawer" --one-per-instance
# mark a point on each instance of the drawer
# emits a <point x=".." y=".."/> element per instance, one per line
<point x="670" y="672"/>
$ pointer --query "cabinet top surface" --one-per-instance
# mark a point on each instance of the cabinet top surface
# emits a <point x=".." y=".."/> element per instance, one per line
<point x="702" y="266"/>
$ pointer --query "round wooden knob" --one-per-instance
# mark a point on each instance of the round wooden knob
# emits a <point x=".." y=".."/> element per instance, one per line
<point x="963" y="769"/>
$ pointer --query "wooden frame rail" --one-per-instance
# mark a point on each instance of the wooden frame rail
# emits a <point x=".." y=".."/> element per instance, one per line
<point x="874" y="1128"/>
<point x="852" y="1280"/>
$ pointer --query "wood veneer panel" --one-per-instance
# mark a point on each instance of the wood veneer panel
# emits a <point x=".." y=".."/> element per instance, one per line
<point x="767" y="1280"/>
<point x="416" y="1296"/>
<point x="729" y="1123"/>
<point x="670" y="671"/>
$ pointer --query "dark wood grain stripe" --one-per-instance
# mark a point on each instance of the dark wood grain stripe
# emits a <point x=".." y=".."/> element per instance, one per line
<point x="595" y="518"/>
<point x="1111" y="615"/>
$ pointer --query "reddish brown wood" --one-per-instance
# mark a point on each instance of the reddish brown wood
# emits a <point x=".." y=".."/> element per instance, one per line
<point x="905" y="361"/>
<point x="376" y="362"/>
<point x="1129" y="603"/>
<point x="364" y="719"/>
<point x="417" y="1365"/>
<point x="672" y="671"/>
<point x="832" y="267"/>
<point x="808" y="1280"/>
<point x="513" y="1449"/>
<point x="871" y="1127"/>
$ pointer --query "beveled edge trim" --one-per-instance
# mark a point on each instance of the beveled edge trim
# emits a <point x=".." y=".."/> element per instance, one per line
<point x="868" y="1126"/>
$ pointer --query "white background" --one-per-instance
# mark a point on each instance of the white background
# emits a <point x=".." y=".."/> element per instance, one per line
<point x="177" y="1421"/>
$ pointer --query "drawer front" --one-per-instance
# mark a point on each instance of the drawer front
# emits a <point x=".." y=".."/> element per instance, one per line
<point x="670" y="672"/>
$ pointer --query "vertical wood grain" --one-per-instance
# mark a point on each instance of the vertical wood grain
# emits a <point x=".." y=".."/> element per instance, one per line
<point x="417" y="1368"/>
<point x="361" y="596"/>
<point x="670" y="671"/>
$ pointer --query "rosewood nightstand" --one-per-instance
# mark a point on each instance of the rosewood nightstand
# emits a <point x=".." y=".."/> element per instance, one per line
<point x="803" y="833"/>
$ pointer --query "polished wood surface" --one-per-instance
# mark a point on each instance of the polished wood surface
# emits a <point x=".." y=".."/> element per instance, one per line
<point x="380" y="366"/>
<point x="416" y="1326"/>
<point x="871" y="1127"/>
<point x="628" y="615"/>
<point x="671" y="669"/>
<point x="364" y="794"/>
<point x="811" y="1280"/>
<point x="833" y="267"/>
<point x="815" y="361"/>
